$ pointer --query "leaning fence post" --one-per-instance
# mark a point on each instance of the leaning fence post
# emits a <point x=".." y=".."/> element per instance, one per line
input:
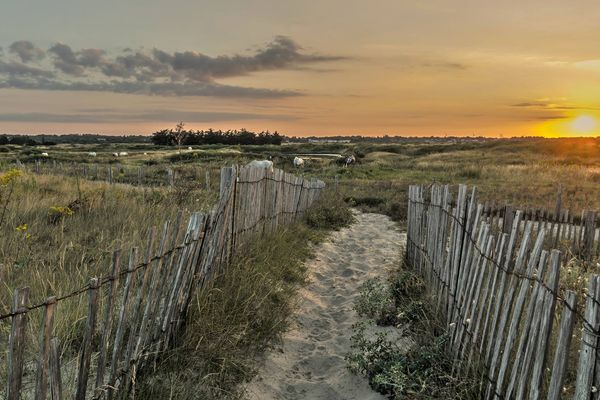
<point x="107" y="322"/>
<point x="589" y="342"/>
<point x="16" y="346"/>
<point x="86" y="346"/>
<point x="563" y="344"/>
<point x="43" y="365"/>
<point x="226" y="179"/>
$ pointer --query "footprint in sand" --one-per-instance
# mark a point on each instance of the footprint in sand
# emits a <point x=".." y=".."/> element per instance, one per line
<point x="311" y="363"/>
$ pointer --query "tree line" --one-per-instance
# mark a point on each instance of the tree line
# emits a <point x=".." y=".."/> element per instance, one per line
<point x="181" y="137"/>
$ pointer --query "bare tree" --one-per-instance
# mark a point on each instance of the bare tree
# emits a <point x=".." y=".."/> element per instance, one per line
<point x="179" y="134"/>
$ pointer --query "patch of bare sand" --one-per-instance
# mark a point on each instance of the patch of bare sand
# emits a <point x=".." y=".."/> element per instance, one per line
<point x="309" y="362"/>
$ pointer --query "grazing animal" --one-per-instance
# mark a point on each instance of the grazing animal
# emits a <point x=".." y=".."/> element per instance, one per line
<point x="190" y="148"/>
<point x="266" y="164"/>
<point x="145" y="154"/>
<point x="298" y="162"/>
<point x="350" y="160"/>
<point x="123" y="153"/>
<point x="115" y="154"/>
<point x="92" y="154"/>
<point x="45" y="155"/>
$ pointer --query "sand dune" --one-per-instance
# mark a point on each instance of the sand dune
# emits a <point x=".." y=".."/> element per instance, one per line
<point x="309" y="363"/>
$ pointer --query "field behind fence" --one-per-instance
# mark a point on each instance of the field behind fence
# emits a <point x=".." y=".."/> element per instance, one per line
<point x="139" y="175"/>
<point x="138" y="308"/>
<point x="502" y="279"/>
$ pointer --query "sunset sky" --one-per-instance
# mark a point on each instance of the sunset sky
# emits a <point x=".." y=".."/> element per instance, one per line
<point x="330" y="67"/>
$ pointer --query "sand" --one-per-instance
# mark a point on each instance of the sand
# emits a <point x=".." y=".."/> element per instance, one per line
<point x="309" y="362"/>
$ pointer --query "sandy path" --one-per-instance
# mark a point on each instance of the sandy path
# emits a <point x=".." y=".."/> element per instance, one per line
<point x="309" y="363"/>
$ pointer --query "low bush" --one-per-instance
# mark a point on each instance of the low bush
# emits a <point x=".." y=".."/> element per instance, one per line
<point x="330" y="212"/>
<point x="421" y="371"/>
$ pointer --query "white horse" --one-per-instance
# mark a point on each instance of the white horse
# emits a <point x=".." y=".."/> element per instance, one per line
<point x="298" y="162"/>
<point x="266" y="164"/>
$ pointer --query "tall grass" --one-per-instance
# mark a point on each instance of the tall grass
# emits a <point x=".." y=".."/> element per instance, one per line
<point x="59" y="232"/>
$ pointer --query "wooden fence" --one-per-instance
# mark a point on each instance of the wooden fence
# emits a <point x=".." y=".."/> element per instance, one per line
<point x="496" y="279"/>
<point x="137" y="310"/>
<point x="139" y="175"/>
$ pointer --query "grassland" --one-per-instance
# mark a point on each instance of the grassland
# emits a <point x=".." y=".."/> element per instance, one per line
<point x="54" y="250"/>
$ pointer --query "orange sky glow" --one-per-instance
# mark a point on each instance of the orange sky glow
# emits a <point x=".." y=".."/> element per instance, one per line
<point x="408" y="67"/>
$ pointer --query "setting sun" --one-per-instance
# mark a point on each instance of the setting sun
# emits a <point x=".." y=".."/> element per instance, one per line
<point x="584" y="124"/>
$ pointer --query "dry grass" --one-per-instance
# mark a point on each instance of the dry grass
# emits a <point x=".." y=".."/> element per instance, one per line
<point x="59" y="232"/>
<point x="234" y="320"/>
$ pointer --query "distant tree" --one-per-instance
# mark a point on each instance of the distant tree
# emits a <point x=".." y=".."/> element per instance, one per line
<point x="179" y="134"/>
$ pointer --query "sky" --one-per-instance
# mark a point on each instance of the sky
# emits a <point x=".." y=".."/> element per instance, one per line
<point x="332" y="67"/>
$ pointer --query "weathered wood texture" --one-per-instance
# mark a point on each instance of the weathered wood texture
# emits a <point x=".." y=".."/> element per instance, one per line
<point x="494" y="275"/>
<point x="135" y="313"/>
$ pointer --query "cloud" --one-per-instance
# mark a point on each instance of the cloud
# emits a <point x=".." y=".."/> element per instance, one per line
<point x="542" y="105"/>
<point x="17" y="69"/>
<point x="113" y="116"/>
<point x="147" y="88"/>
<point x="26" y="51"/>
<point x="155" y="72"/>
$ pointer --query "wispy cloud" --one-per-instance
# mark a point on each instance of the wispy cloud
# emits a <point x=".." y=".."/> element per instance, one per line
<point x="155" y="72"/>
<point x="544" y="105"/>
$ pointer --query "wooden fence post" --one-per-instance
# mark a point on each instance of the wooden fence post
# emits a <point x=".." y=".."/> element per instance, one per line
<point x="43" y="364"/>
<point x="86" y="346"/>
<point x="107" y="320"/>
<point x="54" y="371"/>
<point x="16" y="346"/>
<point x="563" y="344"/>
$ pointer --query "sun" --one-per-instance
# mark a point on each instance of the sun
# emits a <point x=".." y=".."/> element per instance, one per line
<point x="584" y="124"/>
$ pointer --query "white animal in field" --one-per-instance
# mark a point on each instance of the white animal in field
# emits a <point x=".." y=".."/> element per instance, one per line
<point x="115" y="154"/>
<point x="349" y="160"/>
<point x="45" y="155"/>
<point x="190" y="148"/>
<point x="145" y="154"/>
<point x="298" y="162"/>
<point x="266" y="164"/>
<point x="123" y="153"/>
<point x="92" y="154"/>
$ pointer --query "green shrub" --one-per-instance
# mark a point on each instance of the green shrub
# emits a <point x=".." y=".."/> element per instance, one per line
<point x="330" y="212"/>
<point x="364" y="201"/>
<point x="377" y="302"/>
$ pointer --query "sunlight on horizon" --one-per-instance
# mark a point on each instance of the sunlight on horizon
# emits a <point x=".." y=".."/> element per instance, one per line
<point x="572" y="126"/>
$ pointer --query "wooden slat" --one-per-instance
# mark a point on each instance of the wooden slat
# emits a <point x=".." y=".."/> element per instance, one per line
<point x="589" y="342"/>
<point x="54" y="371"/>
<point x="85" y="353"/>
<point x="113" y="285"/>
<point x="43" y="364"/>
<point x="563" y="345"/>
<point x="16" y="345"/>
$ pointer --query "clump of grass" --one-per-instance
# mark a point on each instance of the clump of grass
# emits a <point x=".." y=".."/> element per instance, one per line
<point x="330" y="212"/>
<point x="234" y="320"/>
<point x="422" y="371"/>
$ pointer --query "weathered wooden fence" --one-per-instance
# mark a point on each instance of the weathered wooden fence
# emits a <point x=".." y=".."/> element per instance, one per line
<point x="138" y="308"/>
<point x="496" y="281"/>
<point x="140" y="175"/>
